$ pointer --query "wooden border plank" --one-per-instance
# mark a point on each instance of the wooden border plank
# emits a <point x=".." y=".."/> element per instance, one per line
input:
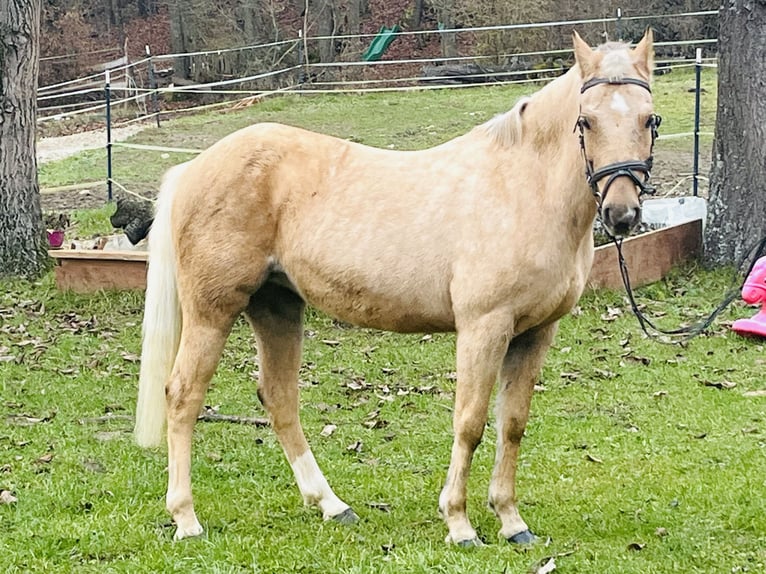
<point x="649" y="256"/>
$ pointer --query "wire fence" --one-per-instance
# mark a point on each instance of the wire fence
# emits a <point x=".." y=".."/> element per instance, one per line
<point x="150" y="89"/>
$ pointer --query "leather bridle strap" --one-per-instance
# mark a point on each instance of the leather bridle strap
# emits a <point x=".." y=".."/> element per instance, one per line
<point x="622" y="168"/>
<point x="596" y="81"/>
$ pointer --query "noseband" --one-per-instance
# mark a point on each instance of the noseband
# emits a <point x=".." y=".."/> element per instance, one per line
<point x="621" y="168"/>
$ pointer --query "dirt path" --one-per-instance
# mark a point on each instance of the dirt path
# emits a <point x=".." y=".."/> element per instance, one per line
<point x="51" y="149"/>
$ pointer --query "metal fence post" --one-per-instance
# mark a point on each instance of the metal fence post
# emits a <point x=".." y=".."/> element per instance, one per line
<point x="153" y="86"/>
<point x="108" y="98"/>
<point x="697" y="98"/>
<point x="618" y="26"/>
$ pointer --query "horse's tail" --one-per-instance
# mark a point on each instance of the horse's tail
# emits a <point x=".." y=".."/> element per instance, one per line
<point x="162" y="319"/>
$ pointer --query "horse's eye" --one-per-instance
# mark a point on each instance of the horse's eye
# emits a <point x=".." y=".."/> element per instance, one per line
<point x="583" y="123"/>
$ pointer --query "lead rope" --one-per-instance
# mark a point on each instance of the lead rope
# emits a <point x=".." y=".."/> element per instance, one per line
<point x="691" y="331"/>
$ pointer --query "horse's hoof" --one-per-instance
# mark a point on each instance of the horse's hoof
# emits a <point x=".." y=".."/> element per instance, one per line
<point x="523" y="537"/>
<point x="471" y="543"/>
<point x="195" y="531"/>
<point x="348" y="517"/>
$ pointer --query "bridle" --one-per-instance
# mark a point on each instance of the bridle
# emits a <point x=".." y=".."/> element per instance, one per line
<point x="621" y="168"/>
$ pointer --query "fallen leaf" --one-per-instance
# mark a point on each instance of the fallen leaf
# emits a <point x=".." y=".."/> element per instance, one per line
<point x="661" y="394"/>
<point x="331" y="342"/>
<point x="7" y="498"/>
<point x="328" y="430"/>
<point x="375" y="424"/>
<point x="540" y="388"/>
<point x="130" y="357"/>
<point x="388" y="547"/>
<point x="611" y="314"/>
<point x="355" y="446"/>
<point x="661" y="532"/>
<point x="545" y="566"/>
<point x="382" y="506"/>
<point x="105" y="436"/>
<point x="93" y="466"/>
<point x="700" y="436"/>
<point x="426" y="338"/>
<point x="357" y="385"/>
<point x="636" y="546"/>
<point x="45" y="459"/>
<point x="720" y="384"/>
<point x="758" y="393"/>
<point x="592" y="458"/>
<point x="26" y="420"/>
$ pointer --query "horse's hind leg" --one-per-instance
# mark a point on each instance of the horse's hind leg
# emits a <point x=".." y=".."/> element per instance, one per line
<point x="276" y="315"/>
<point x="202" y="340"/>
<point x="521" y="367"/>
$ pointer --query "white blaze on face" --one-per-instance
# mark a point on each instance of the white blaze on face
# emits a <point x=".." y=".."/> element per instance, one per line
<point x="619" y="104"/>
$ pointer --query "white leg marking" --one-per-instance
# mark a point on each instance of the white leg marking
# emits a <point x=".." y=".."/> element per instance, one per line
<point x="314" y="487"/>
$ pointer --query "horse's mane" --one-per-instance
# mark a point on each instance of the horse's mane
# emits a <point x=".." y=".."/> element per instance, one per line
<point x="505" y="129"/>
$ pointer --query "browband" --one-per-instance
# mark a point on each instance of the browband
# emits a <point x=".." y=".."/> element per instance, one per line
<point x="596" y="81"/>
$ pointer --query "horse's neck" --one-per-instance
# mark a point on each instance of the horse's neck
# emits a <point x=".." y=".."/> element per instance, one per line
<point x="549" y="122"/>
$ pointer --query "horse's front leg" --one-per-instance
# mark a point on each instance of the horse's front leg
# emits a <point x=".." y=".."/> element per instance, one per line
<point x="481" y="346"/>
<point x="518" y="375"/>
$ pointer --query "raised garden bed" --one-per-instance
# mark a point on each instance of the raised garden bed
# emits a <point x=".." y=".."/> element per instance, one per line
<point x="649" y="257"/>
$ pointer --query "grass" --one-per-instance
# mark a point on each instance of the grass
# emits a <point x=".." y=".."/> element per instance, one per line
<point x="628" y="437"/>
<point x="637" y="459"/>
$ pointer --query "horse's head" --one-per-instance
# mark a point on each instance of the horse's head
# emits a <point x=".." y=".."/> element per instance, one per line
<point x="617" y="126"/>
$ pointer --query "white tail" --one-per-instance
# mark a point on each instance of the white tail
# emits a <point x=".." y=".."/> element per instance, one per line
<point x="162" y="320"/>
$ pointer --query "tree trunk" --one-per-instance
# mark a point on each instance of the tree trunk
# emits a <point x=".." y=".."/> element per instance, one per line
<point x="417" y="15"/>
<point x="737" y="201"/>
<point x="324" y="13"/>
<point x="253" y="23"/>
<point x="447" y="21"/>
<point x="179" y="37"/>
<point x="22" y="237"/>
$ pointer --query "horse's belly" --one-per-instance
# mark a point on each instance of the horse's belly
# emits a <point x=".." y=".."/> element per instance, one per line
<point x="403" y="301"/>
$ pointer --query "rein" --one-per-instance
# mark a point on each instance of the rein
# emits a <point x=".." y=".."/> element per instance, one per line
<point x="621" y="168"/>
<point x="628" y="169"/>
<point x="690" y="331"/>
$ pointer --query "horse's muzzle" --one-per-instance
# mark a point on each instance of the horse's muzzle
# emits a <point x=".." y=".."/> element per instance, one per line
<point x="619" y="219"/>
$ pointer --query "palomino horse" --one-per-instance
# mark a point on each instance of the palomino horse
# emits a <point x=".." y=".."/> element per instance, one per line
<point x="488" y="235"/>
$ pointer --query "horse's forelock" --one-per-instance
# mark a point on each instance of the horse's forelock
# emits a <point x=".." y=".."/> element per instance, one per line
<point x="616" y="60"/>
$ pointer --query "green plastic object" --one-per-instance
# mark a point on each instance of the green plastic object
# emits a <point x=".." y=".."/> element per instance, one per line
<point x="380" y="43"/>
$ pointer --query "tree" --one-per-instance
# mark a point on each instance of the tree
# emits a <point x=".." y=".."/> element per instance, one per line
<point x="737" y="199"/>
<point x="22" y="237"/>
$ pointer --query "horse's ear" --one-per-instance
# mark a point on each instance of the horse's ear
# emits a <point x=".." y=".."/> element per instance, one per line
<point x="643" y="54"/>
<point x="584" y="55"/>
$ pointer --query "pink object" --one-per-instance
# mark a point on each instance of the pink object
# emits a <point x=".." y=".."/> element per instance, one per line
<point x="55" y="238"/>
<point x="753" y="292"/>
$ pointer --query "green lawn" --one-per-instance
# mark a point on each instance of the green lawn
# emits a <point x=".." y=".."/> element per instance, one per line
<point x="639" y="457"/>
